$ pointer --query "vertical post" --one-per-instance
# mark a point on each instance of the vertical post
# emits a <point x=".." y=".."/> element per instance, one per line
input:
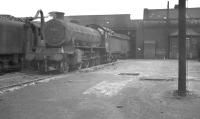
<point x="182" y="49"/>
<point x="167" y="28"/>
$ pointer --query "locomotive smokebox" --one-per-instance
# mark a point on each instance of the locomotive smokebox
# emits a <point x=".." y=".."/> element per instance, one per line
<point x="57" y="15"/>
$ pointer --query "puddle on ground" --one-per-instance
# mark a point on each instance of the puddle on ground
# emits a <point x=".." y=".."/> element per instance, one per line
<point x="130" y="74"/>
<point x="156" y="79"/>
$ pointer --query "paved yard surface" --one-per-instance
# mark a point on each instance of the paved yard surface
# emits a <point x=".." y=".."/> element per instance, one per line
<point x="129" y="89"/>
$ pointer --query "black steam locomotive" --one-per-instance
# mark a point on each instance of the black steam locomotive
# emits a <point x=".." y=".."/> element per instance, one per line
<point x="17" y="37"/>
<point x="68" y="45"/>
<point x="12" y="42"/>
<point x="56" y="44"/>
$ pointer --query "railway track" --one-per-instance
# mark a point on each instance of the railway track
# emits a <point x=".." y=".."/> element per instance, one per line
<point x="13" y="81"/>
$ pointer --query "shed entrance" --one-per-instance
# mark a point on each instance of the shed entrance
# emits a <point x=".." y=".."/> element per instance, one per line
<point x="149" y="49"/>
<point x="192" y="44"/>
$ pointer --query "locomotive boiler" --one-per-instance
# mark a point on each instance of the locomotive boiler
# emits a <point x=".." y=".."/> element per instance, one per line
<point x="68" y="45"/>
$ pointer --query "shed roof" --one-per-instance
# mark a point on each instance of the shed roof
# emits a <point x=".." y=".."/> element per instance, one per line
<point x="111" y="20"/>
<point x="173" y="13"/>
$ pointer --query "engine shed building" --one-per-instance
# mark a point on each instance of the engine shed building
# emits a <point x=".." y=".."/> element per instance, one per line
<point x="154" y="36"/>
<point x="157" y="34"/>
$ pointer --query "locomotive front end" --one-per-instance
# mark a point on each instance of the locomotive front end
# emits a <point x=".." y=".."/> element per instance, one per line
<point x="54" y="32"/>
<point x="52" y="55"/>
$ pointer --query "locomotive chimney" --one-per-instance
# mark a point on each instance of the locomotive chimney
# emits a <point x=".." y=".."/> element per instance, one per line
<point x="57" y="15"/>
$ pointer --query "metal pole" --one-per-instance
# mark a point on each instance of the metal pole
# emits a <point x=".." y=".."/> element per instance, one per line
<point x="182" y="49"/>
<point x="168" y="28"/>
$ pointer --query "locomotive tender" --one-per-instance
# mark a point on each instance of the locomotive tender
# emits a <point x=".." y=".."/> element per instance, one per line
<point x="13" y="35"/>
<point x="68" y="45"/>
<point x="17" y="37"/>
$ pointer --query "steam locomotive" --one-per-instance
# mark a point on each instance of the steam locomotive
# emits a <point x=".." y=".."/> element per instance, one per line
<point x="68" y="45"/>
<point x="56" y="44"/>
<point x="12" y="42"/>
<point x="17" y="36"/>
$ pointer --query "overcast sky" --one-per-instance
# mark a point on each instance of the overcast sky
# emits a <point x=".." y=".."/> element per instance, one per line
<point x="24" y="8"/>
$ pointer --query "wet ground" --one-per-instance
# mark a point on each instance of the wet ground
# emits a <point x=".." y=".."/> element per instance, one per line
<point x="128" y="89"/>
